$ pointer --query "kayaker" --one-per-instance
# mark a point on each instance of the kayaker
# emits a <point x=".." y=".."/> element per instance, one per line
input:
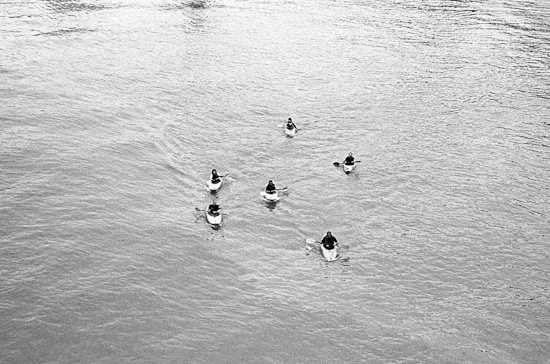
<point x="215" y="178"/>
<point x="270" y="187"/>
<point x="329" y="241"/>
<point x="214" y="208"/>
<point x="290" y="124"/>
<point x="349" y="159"/>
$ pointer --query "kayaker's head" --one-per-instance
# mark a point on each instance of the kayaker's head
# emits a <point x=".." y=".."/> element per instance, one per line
<point x="289" y="120"/>
<point x="350" y="154"/>
<point x="214" y="171"/>
<point x="329" y="233"/>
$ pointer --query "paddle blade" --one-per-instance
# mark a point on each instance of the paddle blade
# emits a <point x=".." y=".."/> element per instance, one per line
<point x="336" y="164"/>
<point x="311" y="243"/>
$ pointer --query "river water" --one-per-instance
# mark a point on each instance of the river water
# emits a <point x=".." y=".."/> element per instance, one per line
<point x="114" y="112"/>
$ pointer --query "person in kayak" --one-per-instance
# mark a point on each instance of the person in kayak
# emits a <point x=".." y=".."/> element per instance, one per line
<point x="270" y="188"/>
<point x="349" y="159"/>
<point x="329" y="242"/>
<point x="215" y="178"/>
<point x="214" y="209"/>
<point x="290" y="124"/>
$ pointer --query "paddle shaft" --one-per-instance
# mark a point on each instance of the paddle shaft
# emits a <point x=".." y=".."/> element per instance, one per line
<point x="337" y="245"/>
<point x="338" y="163"/>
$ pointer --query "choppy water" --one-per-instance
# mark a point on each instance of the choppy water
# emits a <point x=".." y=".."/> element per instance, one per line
<point x="113" y="113"/>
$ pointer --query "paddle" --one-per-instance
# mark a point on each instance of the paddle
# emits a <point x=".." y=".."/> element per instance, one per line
<point x="284" y="189"/>
<point x="203" y="210"/>
<point x="285" y="126"/>
<point x="310" y="244"/>
<point x="221" y="177"/>
<point x="281" y="190"/>
<point x="337" y="164"/>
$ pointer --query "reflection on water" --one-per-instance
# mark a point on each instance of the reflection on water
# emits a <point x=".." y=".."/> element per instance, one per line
<point x="62" y="32"/>
<point x="65" y="6"/>
<point x="197" y="4"/>
<point x="270" y="205"/>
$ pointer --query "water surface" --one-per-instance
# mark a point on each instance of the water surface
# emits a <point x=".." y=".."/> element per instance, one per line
<point x="113" y="113"/>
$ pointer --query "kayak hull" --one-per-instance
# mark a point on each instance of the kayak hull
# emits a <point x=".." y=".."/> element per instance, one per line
<point x="330" y="254"/>
<point x="214" y="186"/>
<point x="349" y="167"/>
<point x="270" y="197"/>
<point x="291" y="132"/>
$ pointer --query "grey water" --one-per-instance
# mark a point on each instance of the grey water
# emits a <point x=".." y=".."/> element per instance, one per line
<point x="114" y="112"/>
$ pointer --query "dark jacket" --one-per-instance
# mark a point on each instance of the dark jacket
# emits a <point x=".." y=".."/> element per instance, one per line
<point x="270" y="188"/>
<point x="329" y="242"/>
<point x="215" y="178"/>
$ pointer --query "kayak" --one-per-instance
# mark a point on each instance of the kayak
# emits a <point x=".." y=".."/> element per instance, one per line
<point x="349" y="167"/>
<point x="329" y="255"/>
<point x="214" y="218"/>
<point x="270" y="197"/>
<point x="212" y="187"/>
<point x="291" y="132"/>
